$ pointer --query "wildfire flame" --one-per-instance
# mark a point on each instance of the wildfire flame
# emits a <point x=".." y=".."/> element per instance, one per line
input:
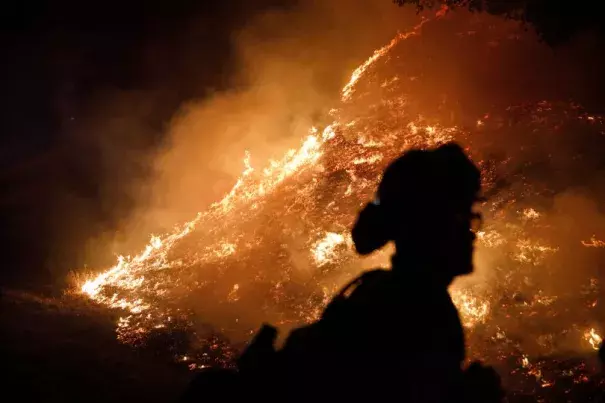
<point x="129" y="273"/>
<point x="310" y="198"/>
<point x="349" y="88"/>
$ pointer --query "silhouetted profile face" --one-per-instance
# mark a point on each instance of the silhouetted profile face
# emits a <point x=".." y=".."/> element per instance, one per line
<point x="453" y="243"/>
<point x="425" y="204"/>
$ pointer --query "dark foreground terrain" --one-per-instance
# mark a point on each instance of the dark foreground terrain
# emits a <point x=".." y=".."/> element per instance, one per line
<point x="65" y="350"/>
<point x="58" y="351"/>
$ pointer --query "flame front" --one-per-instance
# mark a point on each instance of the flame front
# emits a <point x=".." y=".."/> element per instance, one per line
<point x="129" y="273"/>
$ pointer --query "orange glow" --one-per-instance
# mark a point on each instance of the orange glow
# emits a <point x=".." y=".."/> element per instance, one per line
<point x="293" y="215"/>
<point x="349" y="88"/>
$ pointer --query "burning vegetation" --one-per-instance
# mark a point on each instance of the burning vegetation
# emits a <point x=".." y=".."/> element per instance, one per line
<point x="277" y="246"/>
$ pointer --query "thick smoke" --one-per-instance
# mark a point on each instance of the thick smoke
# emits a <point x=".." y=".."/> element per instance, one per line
<point x="291" y="66"/>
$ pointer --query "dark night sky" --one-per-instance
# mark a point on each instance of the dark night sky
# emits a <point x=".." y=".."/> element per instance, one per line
<point x="57" y="54"/>
<point x="59" y="58"/>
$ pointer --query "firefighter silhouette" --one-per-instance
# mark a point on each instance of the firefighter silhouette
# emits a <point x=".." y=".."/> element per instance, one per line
<point x="391" y="333"/>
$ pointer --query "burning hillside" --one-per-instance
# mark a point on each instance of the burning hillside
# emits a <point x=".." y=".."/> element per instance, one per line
<point x="277" y="246"/>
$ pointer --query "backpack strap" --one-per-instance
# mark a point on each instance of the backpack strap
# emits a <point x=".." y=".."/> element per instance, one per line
<point x="339" y="299"/>
<point x="365" y="277"/>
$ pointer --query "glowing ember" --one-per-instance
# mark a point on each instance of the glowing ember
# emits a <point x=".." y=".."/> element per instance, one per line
<point x="530" y="214"/>
<point x="594" y="243"/>
<point x="324" y="250"/>
<point x="593" y="338"/>
<point x="232" y="297"/>
<point x="491" y="239"/>
<point x="472" y="309"/>
<point x="532" y="252"/>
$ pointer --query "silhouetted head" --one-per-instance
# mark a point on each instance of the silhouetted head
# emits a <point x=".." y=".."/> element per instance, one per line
<point x="425" y="204"/>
